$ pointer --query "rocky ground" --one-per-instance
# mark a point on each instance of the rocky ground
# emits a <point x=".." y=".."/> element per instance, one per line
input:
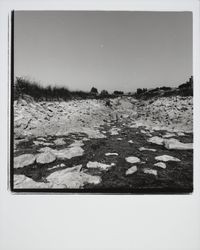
<point x="131" y="146"/>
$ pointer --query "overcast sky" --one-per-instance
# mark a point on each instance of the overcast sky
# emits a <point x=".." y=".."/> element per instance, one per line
<point x="108" y="50"/>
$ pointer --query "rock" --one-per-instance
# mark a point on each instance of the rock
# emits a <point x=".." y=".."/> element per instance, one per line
<point x="59" y="141"/>
<point x="46" y="157"/>
<point x="24" y="160"/>
<point x="166" y="158"/>
<point x="150" y="171"/>
<point x="77" y="143"/>
<point x="180" y="134"/>
<point x="72" y="178"/>
<point x="68" y="153"/>
<point x="131" y="170"/>
<point x="132" y="159"/>
<point x="119" y="139"/>
<point x="45" y="149"/>
<point x="177" y="145"/>
<point x="42" y="143"/>
<point x="156" y="140"/>
<point x="147" y="149"/>
<point x="160" y="165"/>
<point x="168" y="135"/>
<point x="130" y="141"/>
<point x="21" y="181"/>
<point x="62" y="165"/>
<point x="110" y="154"/>
<point x="98" y="165"/>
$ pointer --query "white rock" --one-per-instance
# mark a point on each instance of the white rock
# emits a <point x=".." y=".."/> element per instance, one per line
<point x="119" y="139"/>
<point x="156" y="140"/>
<point x="42" y="143"/>
<point x="166" y="158"/>
<point x="130" y="141"/>
<point x="72" y="178"/>
<point x="168" y="135"/>
<point x="59" y="141"/>
<point x="23" y="160"/>
<point x="46" y="157"/>
<point x="150" y="171"/>
<point x="21" y="181"/>
<point x="132" y="159"/>
<point x="77" y="143"/>
<point x="68" y="153"/>
<point x="175" y="144"/>
<point x="99" y="165"/>
<point x="110" y="154"/>
<point x="131" y="170"/>
<point x="180" y="134"/>
<point x="160" y="165"/>
<point x="147" y="149"/>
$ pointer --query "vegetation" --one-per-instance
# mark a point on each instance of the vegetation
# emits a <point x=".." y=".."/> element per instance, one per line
<point x="23" y="87"/>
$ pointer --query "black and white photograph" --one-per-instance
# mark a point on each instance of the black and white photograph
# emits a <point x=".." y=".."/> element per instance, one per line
<point x="102" y="102"/>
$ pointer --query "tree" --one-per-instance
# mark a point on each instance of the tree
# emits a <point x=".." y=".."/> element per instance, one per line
<point x="104" y="93"/>
<point x="94" y="90"/>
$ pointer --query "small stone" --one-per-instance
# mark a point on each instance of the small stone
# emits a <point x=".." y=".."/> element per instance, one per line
<point x="62" y="165"/>
<point x="160" y="165"/>
<point x="99" y="165"/>
<point x="131" y="170"/>
<point x="150" y="171"/>
<point x="24" y="160"/>
<point x="132" y="159"/>
<point x="166" y="158"/>
<point x="110" y="154"/>
<point x="147" y="149"/>
<point x="130" y="141"/>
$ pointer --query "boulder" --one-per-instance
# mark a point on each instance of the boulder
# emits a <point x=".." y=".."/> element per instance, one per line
<point x="24" y="160"/>
<point x="46" y="157"/>
<point x="72" y="178"/>
<point x="177" y="145"/>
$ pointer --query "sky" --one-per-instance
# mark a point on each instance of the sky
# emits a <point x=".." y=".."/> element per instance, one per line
<point x="112" y="50"/>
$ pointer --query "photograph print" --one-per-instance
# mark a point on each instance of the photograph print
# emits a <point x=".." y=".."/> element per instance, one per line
<point x="101" y="102"/>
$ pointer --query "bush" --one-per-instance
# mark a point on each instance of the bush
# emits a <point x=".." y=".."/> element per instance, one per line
<point x="117" y="92"/>
<point x="24" y="87"/>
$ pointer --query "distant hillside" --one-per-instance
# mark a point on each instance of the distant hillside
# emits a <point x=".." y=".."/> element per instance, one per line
<point x="185" y="89"/>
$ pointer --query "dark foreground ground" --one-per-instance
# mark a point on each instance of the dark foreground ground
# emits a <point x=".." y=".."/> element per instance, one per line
<point x="176" y="178"/>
